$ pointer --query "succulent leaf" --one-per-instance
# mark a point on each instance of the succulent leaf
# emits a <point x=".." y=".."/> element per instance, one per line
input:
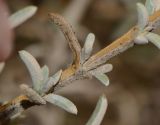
<point x="150" y="6"/>
<point x="33" y="68"/>
<point x="143" y="16"/>
<point x="32" y="95"/>
<point x="88" y="46"/>
<point x="154" y="38"/>
<point x="22" y="15"/>
<point x="102" y="69"/>
<point x="61" y="102"/>
<point x="45" y="73"/>
<point x="99" y="112"/>
<point x="103" y="78"/>
<point x="51" y="82"/>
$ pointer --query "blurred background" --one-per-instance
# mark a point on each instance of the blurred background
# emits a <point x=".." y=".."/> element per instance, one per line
<point x="134" y="90"/>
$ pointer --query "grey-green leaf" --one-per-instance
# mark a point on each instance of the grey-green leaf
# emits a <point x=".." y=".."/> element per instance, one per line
<point x="88" y="46"/>
<point x="45" y="73"/>
<point x="99" y="112"/>
<point x="22" y="15"/>
<point x="32" y="95"/>
<point x="102" y="78"/>
<point x="143" y="16"/>
<point x="102" y="69"/>
<point x="33" y="68"/>
<point x="150" y="6"/>
<point x="51" y="82"/>
<point x="61" y="102"/>
<point x="154" y="38"/>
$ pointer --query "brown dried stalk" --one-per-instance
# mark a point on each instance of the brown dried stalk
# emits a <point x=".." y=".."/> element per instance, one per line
<point x="69" y="34"/>
<point x="120" y="45"/>
<point x="76" y="70"/>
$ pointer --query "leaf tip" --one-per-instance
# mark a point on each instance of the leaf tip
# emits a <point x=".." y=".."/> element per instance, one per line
<point x="91" y="36"/>
<point x="103" y="97"/>
<point x="22" y="52"/>
<point x="143" y="16"/>
<point x="74" y="110"/>
<point x="33" y="8"/>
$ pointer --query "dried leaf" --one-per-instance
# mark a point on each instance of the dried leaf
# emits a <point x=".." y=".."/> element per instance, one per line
<point x="62" y="102"/>
<point x="154" y="38"/>
<point x="99" y="112"/>
<point x="22" y="15"/>
<point x="143" y="17"/>
<point x="102" y="69"/>
<point x="103" y="79"/>
<point x="32" y="95"/>
<point x="88" y="46"/>
<point x="150" y="6"/>
<point x="2" y="65"/>
<point x="51" y="82"/>
<point x="33" y="68"/>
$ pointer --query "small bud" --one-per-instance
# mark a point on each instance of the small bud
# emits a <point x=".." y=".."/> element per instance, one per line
<point x="140" y="40"/>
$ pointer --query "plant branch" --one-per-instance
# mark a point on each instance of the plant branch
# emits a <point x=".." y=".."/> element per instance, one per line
<point x="69" y="34"/>
<point x="81" y="71"/>
<point x="120" y="45"/>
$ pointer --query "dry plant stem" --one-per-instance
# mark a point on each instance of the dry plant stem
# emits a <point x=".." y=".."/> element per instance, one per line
<point x="74" y="17"/>
<point x="18" y="104"/>
<point x="69" y="75"/>
<point x="118" y="46"/>
<point x="66" y="28"/>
